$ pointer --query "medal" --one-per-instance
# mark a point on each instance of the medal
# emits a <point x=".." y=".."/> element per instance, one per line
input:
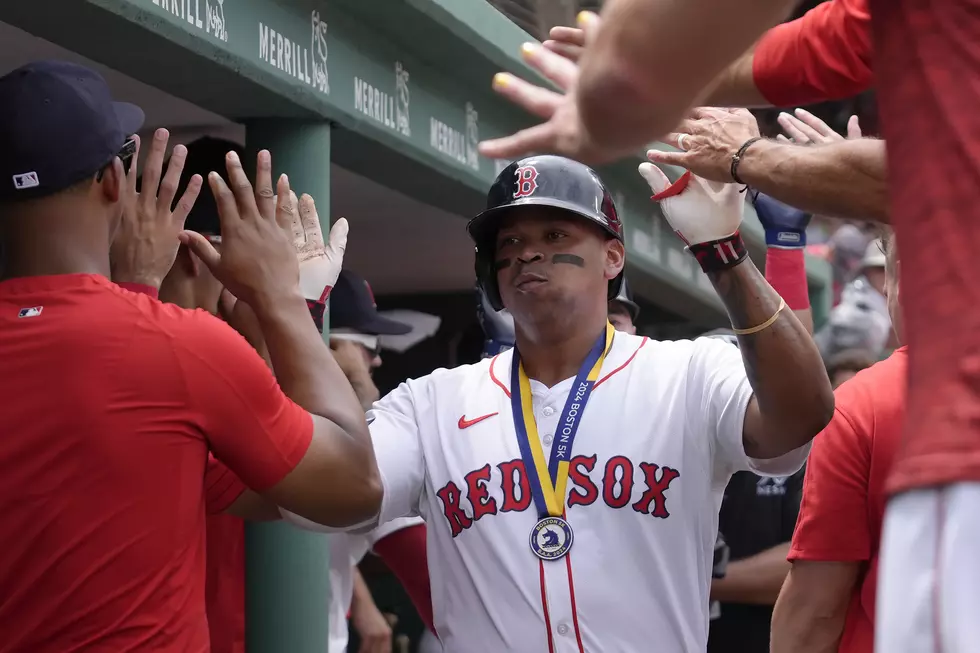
<point x="551" y="538"/>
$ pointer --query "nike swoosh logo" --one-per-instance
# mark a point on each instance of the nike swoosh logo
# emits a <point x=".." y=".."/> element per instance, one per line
<point x="466" y="423"/>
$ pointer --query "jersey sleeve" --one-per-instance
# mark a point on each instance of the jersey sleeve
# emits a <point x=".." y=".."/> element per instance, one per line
<point x="720" y="396"/>
<point x="823" y="55"/>
<point x="833" y="522"/>
<point x="394" y="425"/>
<point x="250" y="425"/>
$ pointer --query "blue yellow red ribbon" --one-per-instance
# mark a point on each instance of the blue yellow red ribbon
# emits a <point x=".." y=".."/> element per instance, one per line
<point x="549" y="480"/>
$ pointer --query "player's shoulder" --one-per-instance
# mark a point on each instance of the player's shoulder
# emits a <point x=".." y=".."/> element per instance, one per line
<point x="169" y="324"/>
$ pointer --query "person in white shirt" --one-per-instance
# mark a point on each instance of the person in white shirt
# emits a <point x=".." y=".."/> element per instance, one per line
<point x="571" y="485"/>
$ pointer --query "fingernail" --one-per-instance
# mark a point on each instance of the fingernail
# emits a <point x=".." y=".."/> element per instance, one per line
<point x="233" y="156"/>
<point x="782" y="115"/>
<point x="161" y="133"/>
<point x="582" y="18"/>
<point x="180" y="149"/>
<point x="528" y="48"/>
<point x="799" y="111"/>
<point x="501" y="80"/>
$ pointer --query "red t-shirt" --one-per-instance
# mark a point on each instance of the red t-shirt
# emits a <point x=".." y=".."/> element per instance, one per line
<point x="823" y="55"/>
<point x="112" y="401"/>
<point x="844" y="489"/>
<point x="927" y="70"/>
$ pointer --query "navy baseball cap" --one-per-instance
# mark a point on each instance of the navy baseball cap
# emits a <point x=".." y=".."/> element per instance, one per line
<point x="352" y="308"/>
<point x="58" y="125"/>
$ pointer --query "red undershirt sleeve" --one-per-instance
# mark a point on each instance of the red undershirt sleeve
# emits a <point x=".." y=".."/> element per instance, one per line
<point x="823" y="55"/>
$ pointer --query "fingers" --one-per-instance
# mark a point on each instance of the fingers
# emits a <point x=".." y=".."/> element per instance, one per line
<point x="553" y="66"/>
<point x="337" y="240"/>
<point x="540" y="138"/>
<point x="171" y="179"/>
<point x="674" y="140"/>
<point x="783" y="139"/>
<point x="240" y="187"/>
<point x="264" y="194"/>
<point x="539" y="101"/>
<point x="285" y="204"/>
<point x="818" y="125"/>
<point x="668" y="158"/>
<point x="654" y="177"/>
<point x="201" y="248"/>
<point x="225" y="201"/>
<point x="569" y="36"/>
<point x="571" y="52"/>
<point x="311" y="221"/>
<point x="187" y="200"/>
<point x="794" y="128"/>
<point x="589" y="22"/>
<point x="154" y="162"/>
<point x="226" y="304"/>
<point x="853" y="128"/>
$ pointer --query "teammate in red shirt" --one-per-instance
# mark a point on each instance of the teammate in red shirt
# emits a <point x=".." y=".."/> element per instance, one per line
<point x="828" y="599"/>
<point x="113" y="400"/>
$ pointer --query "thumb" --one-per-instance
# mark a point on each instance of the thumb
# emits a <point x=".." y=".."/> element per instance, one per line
<point x="337" y="240"/>
<point x="201" y="247"/>
<point x="655" y="177"/>
<point x="853" y="127"/>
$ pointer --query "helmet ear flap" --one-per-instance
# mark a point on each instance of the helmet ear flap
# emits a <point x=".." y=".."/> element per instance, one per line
<point x="486" y="278"/>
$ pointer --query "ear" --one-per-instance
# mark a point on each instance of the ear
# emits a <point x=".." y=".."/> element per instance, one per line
<point x="113" y="182"/>
<point x="615" y="258"/>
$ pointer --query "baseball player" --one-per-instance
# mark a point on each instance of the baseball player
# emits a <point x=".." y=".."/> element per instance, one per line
<point x="571" y="484"/>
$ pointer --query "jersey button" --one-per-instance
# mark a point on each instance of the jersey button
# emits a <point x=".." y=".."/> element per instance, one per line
<point x="548" y="411"/>
<point x="562" y="629"/>
<point x="547" y="439"/>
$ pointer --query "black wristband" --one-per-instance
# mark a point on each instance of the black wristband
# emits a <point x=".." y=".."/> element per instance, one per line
<point x="316" y="311"/>
<point x="737" y="158"/>
<point x="722" y="254"/>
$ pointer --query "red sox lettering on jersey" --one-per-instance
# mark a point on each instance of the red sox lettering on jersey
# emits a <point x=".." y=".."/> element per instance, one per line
<point x="616" y="478"/>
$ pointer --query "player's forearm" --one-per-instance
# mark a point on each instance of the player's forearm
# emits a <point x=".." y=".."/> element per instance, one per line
<point x="809" y="616"/>
<point x="753" y="580"/>
<point x="308" y="373"/>
<point x="793" y="394"/>
<point x="648" y="65"/>
<point x="735" y="86"/>
<point x="845" y="179"/>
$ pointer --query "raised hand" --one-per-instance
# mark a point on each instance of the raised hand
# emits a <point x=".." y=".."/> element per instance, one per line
<point x="698" y="210"/>
<point x="706" y="141"/>
<point x="562" y="132"/>
<point x="257" y="263"/>
<point x="319" y="263"/>
<point x="804" y="128"/>
<point x="145" y="245"/>
<point x="569" y="42"/>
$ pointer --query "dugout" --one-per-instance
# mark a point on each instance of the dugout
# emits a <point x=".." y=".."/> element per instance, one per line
<point x="374" y="108"/>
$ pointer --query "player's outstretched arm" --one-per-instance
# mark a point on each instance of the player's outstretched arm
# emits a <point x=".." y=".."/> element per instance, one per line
<point x="649" y="63"/>
<point x="792" y="396"/>
<point x="845" y="178"/>
<point x="327" y="471"/>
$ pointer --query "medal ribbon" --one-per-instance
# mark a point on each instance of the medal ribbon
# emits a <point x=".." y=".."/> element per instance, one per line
<point x="548" y="481"/>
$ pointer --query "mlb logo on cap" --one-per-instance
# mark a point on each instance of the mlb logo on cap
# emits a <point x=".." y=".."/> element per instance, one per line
<point x="26" y="180"/>
<point x="33" y="311"/>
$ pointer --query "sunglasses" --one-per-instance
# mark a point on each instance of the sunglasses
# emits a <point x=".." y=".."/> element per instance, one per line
<point x="125" y="155"/>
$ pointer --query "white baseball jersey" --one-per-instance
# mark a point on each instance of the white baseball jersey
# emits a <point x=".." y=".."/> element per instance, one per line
<point x="659" y="439"/>
<point x="346" y="551"/>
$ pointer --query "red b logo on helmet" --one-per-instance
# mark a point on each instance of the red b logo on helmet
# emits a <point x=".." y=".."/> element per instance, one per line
<point x="526" y="181"/>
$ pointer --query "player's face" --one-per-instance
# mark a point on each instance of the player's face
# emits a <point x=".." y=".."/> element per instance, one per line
<point x="548" y="260"/>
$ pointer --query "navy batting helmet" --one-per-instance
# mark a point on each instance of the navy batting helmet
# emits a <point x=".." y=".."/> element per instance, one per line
<point x="544" y="180"/>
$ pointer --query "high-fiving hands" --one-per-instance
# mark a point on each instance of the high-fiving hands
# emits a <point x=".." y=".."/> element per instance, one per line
<point x="804" y="128"/>
<point x="145" y="245"/>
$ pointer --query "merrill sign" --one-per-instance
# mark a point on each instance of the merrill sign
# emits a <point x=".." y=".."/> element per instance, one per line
<point x="211" y="20"/>
<point x="307" y="65"/>
<point x="461" y="146"/>
<point x="390" y="111"/>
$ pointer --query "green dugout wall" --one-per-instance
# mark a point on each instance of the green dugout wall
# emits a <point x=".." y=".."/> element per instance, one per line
<point x="394" y="90"/>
